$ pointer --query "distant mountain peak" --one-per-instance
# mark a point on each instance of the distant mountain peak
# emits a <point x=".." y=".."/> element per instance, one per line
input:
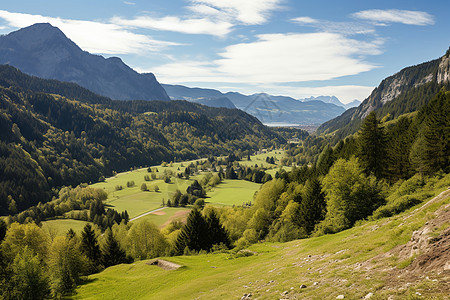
<point x="45" y="51"/>
<point x="38" y="32"/>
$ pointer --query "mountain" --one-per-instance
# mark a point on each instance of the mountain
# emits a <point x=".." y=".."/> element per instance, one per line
<point x="267" y="108"/>
<point x="286" y="110"/>
<point x="327" y="99"/>
<point x="208" y="97"/>
<point x="215" y="102"/>
<point x="354" y="103"/>
<point x="44" y="51"/>
<point x="334" y="100"/>
<point x="403" y="92"/>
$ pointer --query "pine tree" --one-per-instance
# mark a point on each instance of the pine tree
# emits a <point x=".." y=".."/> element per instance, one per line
<point x="89" y="245"/>
<point x="401" y="137"/>
<point x="431" y="150"/>
<point x="112" y="254"/>
<point x="325" y="160"/>
<point x="311" y="209"/>
<point x="372" y="146"/>
<point x="193" y="234"/>
<point x="216" y="232"/>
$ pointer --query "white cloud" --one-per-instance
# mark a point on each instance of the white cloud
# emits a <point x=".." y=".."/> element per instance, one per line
<point x="212" y="17"/>
<point x="305" y="20"/>
<point x="95" y="37"/>
<point x="248" y="12"/>
<point x="176" y="24"/>
<point x="348" y="28"/>
<point x="408" y="17"/>
<point x="278" y="58"/>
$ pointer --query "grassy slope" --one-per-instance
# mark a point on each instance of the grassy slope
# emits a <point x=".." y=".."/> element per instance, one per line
<point x="60" y="227"/>
<point x="351" y="263"/>
<point x="232" y="192"/>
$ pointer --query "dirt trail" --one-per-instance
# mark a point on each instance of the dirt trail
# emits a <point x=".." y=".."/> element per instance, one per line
<point x="147" y="213"/>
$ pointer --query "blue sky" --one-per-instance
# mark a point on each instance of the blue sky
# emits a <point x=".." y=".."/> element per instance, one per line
<point x="283" y="47"/>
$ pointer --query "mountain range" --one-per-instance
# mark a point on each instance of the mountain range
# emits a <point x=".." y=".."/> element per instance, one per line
<point x="269" y="109"/>
<point x="334" y="100"/>
<point x="44" y="51"/>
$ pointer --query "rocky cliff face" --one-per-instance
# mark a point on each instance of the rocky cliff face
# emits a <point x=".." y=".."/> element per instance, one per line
<point x="411" y="77"/>
<point x="44" y="51"/>
<point x="435" y="72"/>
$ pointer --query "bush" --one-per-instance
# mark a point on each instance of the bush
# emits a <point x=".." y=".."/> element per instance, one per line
<point x="130" y="183"/>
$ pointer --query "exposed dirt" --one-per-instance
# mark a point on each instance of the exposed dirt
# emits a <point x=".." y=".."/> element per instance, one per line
<point x="178" y="216"/>
<point x="158" y="213"/>
<point x="164" y="264"/>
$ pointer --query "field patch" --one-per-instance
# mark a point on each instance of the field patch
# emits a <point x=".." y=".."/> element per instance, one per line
<point x="232" y="192"/>
<point x="59" y="227"/>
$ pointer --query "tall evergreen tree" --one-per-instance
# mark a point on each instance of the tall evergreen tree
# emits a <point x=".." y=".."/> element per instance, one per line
<point x="400" y="139"/>
<point x="90" y="247"/>
<point x="311" y="209"/>
<point x="372" y="146"/>
<point x="216" y="232"/>
<point x="325" y="160"/>
<point x="431" y="150"/>
<point x="113" y="254"/>
<point x="193" y="234"/>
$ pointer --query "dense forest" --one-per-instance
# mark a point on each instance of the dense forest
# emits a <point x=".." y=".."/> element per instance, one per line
<point x="48" y="141"/>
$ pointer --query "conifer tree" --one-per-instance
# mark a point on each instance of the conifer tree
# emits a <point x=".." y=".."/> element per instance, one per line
<point x="90" y="247"/>
<point x="193" y="234"/>
<point x="372" y="146"/>
<point x="216" y="232"/>
<point x="431" y="150"/>
<point x="112" y="254"/>
<point x="311" y="209"/>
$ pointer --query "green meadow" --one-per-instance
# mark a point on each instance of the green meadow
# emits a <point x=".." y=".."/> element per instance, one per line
<point x="137" y="202"/>
<point x="60" y="227"/>
<point x="232" y="192"/>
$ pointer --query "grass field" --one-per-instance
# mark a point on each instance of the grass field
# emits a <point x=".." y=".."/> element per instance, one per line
<point x="60" y="227"/>
<point x="138" y="202"/>
<point x="232" y="192"/>
<point x="260" y="159"/>
<point x="165" y="216"/>
<point x="352" y="263"/>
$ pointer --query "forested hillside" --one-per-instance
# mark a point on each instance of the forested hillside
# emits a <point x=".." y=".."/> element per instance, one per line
<point x="404" y="92"/>
<point x="47" y="140"/>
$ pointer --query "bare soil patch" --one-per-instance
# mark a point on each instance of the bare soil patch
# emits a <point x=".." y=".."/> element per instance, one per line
<point x="164" y="264"/>
<point x="179" y="215"/>
<point x="159" y="213"/>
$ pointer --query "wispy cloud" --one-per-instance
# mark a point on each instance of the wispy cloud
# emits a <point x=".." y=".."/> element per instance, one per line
<point x="348" y="28"/>
<point x="211" y="17"/>
<point x="278" y="58"/>
<point x="408" y="17"/>
<point x="176" y="24"/>
<point x="129" y="3"/>
<point x="249" y="12"/>
<point x="95" y="37"/>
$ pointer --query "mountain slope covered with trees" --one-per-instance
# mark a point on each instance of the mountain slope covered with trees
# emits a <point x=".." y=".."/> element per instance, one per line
<point x="49" y="140"/>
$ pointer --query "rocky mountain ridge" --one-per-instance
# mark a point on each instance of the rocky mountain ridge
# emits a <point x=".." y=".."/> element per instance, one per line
<point x="44" y="51"/>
